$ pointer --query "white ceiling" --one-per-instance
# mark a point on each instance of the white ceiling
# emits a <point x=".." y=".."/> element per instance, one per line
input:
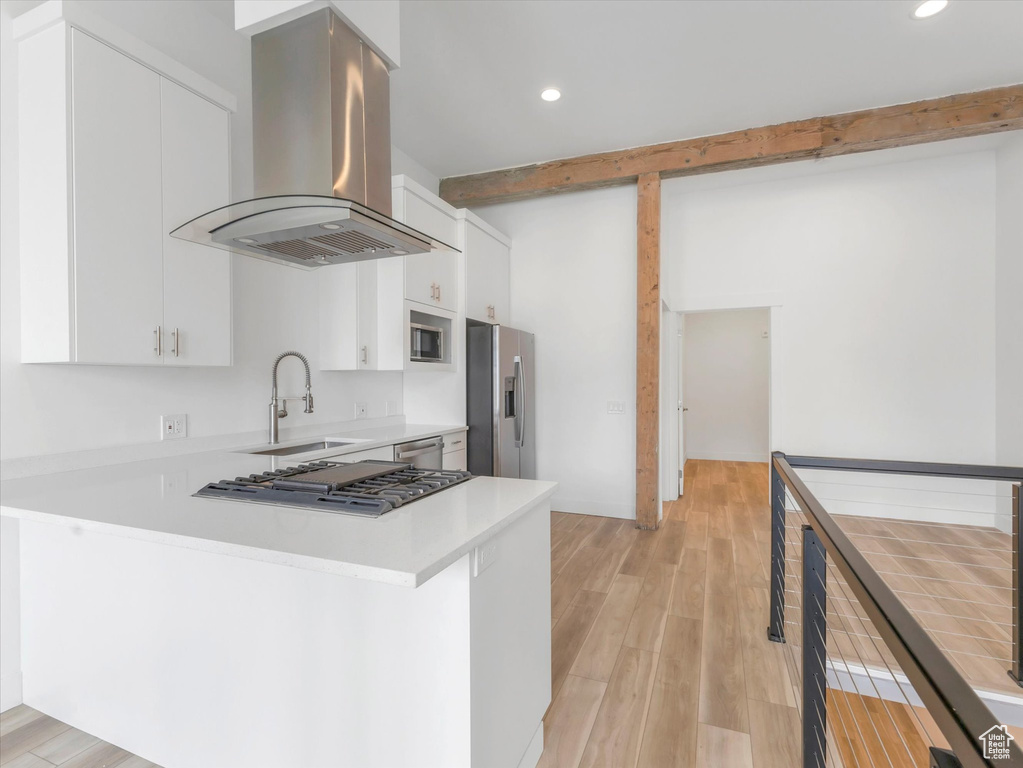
<point x="635" y="72"/>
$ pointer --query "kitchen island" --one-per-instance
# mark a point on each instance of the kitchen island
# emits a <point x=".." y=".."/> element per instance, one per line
<point x="197" y="632"/>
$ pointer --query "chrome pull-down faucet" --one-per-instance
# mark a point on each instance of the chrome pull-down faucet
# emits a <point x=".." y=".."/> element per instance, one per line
<point x="279" y="406"/>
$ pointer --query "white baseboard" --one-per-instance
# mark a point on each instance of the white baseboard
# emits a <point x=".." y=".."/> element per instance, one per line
<point x="726" y="456"/>
<point x="10" y="690"/>
<point x="535" y="749"/>
<point x="599" y="508"/>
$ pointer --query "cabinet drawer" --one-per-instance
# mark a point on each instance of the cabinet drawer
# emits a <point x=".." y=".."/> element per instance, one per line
<point x="454" y="460"/>
<point x="455" y="442"/>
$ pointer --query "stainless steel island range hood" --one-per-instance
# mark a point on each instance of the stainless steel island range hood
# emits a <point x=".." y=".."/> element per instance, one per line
<point x="322" y="154"/>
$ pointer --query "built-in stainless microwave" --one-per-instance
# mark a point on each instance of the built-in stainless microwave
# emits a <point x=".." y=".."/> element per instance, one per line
<point x="426" y="343"/>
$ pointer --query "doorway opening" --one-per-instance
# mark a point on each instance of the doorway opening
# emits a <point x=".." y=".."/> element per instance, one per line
<point x="723" y="408"/>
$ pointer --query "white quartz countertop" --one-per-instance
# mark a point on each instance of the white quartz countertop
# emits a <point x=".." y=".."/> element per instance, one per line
<point x="152" y="501"/>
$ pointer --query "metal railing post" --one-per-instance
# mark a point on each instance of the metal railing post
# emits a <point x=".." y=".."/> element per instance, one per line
<point x="776" y="628"/>
<point x="815" y="675"/>
<point x="1017" y="590"/>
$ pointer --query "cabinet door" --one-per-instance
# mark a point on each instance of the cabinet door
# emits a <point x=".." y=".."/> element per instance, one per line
<point x="390" y="317"/>
<point x="366" y="331"/>
<point x="338" y="287"/>
<point x="487" y="264"/>
<point x="197" y="278"/>
<point x="118" y="221"/>
<point x="430" y="278"/>
<point x="446" y="270"/>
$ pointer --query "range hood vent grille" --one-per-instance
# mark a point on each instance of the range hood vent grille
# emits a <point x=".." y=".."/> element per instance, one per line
<point x="351" y="242"/>
<point x="298" y="249"/>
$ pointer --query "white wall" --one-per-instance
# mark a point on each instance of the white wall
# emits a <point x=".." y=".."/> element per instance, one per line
<point x="573" y="284"/>
<point x="1009" y="303"/>
<point x="887" y="289"/>
<point x="403" y="164"/>
<point x="49" y="408"/>
<point x="727" y="385"/>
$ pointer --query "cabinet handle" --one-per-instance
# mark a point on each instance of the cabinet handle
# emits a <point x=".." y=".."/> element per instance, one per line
<point x="438" y="292"/>
<point x="176" y="342"/>
<point x="157" y="341"/>
<point x="490" y="311"/>
<point x="365" y="355"/>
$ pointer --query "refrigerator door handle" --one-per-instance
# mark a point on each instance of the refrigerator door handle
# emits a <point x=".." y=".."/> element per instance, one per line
<point x="520" y="411"/>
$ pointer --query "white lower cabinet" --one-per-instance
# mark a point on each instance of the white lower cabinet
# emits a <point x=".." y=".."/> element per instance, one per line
<point x="455" y="460"/>
<point x="113" y="156"/>
<point x="454" y="452"/>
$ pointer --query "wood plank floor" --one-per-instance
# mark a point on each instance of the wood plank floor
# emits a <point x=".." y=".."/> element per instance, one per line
<point x="30" y="739"/>
<point x="954" y="579"/>
<point x="659" y="648"/>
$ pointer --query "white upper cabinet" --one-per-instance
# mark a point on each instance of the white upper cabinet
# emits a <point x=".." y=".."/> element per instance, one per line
<point x="118" y="265"/>
<point x="196" y="278"/>
<point x="430" y="278"/>
<point x="487" y="255"/>
<point x="113" y="156"/>
<point x="361" y="314"/>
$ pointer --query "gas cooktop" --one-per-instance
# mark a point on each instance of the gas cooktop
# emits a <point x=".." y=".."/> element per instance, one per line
<point x="370" y="488"/>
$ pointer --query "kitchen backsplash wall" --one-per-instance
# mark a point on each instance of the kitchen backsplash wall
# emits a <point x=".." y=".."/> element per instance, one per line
<point x="55" y="409"/>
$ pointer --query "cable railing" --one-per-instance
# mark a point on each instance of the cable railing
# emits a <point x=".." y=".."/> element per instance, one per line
<point x="890" y="623"/>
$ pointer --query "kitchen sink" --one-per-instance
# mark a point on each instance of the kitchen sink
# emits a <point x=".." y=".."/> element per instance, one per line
<point x="319" y="445"/>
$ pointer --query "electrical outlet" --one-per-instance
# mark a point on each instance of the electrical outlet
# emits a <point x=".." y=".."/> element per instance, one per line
<point x="485" y="556"/>
<point x="616" y="407"/>
<point x="174" y="426"/>
<point x="361" y="410"/>
<point x="391" y="408"/>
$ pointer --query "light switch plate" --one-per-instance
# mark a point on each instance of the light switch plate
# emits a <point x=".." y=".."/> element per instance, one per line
<point x="616" y="407"/>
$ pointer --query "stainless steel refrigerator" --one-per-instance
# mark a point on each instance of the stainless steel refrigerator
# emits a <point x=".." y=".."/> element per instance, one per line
<point x="501" y="401"/>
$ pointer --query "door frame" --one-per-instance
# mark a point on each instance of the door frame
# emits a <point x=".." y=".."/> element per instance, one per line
<point x="774" y="304"/>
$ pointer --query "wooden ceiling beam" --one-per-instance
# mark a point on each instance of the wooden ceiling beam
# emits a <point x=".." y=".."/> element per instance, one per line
<point x="967" y="114"/>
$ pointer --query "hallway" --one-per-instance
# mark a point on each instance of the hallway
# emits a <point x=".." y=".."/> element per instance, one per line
<point x="660" y="653"/>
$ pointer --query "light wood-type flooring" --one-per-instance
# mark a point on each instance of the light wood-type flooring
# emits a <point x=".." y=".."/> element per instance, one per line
<point x="660" y="652"/>
<point x="30" y="739"/>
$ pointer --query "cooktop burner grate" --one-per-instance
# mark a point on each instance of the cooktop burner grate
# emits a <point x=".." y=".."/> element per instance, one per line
<point x="370" y="488"/>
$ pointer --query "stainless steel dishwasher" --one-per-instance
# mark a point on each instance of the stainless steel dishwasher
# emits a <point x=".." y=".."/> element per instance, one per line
<point x="423" y="454"/>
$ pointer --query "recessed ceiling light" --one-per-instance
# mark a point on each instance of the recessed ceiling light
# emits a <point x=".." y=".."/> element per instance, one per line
<point x="248" y="240"/>
<point x="929" y="8"/>
<point x="550" y="94"/>
<point x="330" y="226"/>
<point x="399" y="252"/>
